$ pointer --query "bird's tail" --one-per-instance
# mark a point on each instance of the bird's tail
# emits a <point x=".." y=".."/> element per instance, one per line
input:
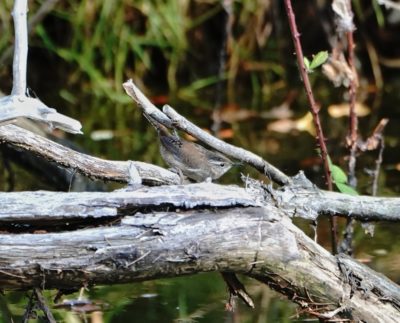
<point x="161" y="129"/>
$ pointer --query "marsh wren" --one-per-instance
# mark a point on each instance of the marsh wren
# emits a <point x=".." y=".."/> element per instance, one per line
<point x="190" y="159"/>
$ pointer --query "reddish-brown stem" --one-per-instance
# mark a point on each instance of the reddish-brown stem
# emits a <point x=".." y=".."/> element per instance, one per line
<point x="378" y="164"/>
<point x="314" y="109"/>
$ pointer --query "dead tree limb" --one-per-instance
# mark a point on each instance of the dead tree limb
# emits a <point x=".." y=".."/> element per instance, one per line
<point x="259" y="242"/>
<point x="60" y="207"/>
<point x="18" y="104"/>
<point x="300" y="198"/>
<point x="90" y="166"/>
<point x="30" y="207"/>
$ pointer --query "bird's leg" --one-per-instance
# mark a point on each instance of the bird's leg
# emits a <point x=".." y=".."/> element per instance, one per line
<point x="182" y="178"/>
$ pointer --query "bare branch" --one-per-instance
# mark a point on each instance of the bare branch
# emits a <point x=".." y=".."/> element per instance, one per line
<point x="45" y="207"/>
<point x="172" y="119"/>
<point x="314" y="108"/>
<point x="119" y="171"/>
<point x="202" y="241"/>
<point x="21" y="47"/>
<point x="144" y="103"/>
<point x="303" y="199"/>
<point x="13" y="107"/>
<point x="18" y="105"/>
<point x="294" y="200"/>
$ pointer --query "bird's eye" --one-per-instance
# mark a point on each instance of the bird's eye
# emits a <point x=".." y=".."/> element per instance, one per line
<point x="222" y="164"/>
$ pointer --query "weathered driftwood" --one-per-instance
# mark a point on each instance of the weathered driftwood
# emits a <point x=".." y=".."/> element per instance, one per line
<point x="259" y="242"/>
<point x="53" y="176"/>
<point x="295" y="201"/>
<point x="88" y="165"/>
<point x="56" y="207"/>
<point x="13" y="107"/>
<point x="303" y="199"/>
<point x="299" y="198"/>
<point x="18" y="104"/>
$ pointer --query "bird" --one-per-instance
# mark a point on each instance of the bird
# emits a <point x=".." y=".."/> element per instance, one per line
<point x="188" y="158"/>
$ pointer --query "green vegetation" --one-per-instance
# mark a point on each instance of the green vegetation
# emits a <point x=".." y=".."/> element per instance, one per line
<point x="317" y="60"/>
<point x="339" y="177"/>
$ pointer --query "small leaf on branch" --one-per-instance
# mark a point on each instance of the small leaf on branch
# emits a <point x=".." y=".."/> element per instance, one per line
<point x="338" y="175"/>
<point x="319" y="59"/>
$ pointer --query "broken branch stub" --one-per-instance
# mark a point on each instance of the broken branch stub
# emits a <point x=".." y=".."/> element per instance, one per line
<point x="13" y="107"/>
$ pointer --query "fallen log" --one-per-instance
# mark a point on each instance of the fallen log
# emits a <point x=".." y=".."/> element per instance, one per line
<point x="260" y="242"/>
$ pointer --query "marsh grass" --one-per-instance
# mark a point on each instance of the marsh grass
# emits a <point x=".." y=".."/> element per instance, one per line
<point x="6" y="26"/>
<point x="106" y="42"/>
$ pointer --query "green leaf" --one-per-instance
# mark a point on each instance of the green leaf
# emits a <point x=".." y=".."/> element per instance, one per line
<point x="307" y="64"/>
<point x="338" y="175"/>
<point x="319" y="59"/>
<point x="346" y="189"/>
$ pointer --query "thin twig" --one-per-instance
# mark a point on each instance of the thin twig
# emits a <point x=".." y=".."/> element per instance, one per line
<point x="43" y="306"/>
<point x="353" y="126"/>
<point x="307" y="85"/>
<point x="236" y="288"/>
<point x="227" y="6"/>
<point x="314" y="109"/>
<point x="373" y="142"/>
<point x="28" y="309"/>
<point x="378" y="164"/>
<point x="41" y="13"/>
<point x="352" y="139"/>
<point x="138" y="259"/>
<point x="19" y="14"/>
